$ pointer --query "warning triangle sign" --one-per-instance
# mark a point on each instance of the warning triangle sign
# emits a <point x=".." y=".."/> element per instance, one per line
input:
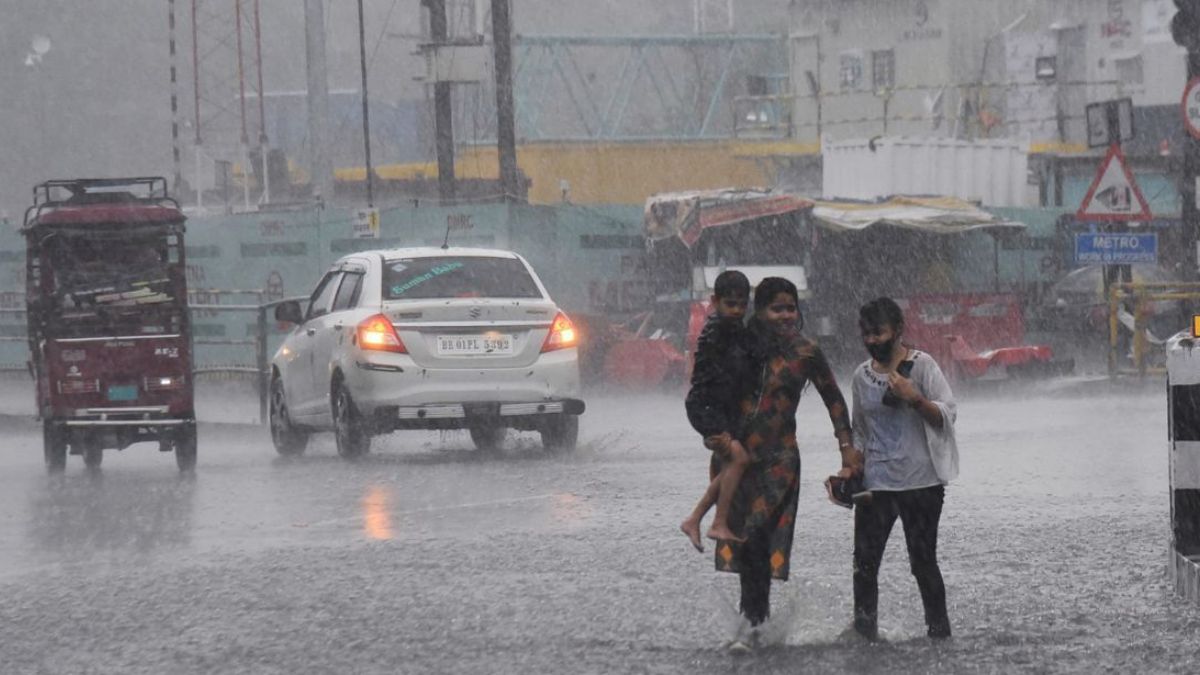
<point x="1114" y="195"/>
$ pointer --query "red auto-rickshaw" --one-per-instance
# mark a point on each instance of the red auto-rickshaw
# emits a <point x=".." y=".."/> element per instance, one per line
<point x="109" y="331"/>
<point x="694" y="236"/>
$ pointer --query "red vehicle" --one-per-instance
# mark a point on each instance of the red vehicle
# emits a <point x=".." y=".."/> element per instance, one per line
<point x="695" y="236"/>
<point x="977" y="336"/>
<point x="109" y="332"/>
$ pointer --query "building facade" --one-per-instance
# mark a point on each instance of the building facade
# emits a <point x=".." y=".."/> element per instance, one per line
<point x="988" y="69"/>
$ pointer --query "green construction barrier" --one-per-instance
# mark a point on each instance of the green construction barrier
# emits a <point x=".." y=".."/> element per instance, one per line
<point x="575" y="249"/>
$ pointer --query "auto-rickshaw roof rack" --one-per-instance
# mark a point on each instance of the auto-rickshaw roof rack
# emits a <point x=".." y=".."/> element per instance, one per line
<point x="140" y="188"/>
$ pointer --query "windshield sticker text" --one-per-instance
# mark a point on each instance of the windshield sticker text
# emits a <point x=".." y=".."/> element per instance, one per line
<point x="436" y="271"/>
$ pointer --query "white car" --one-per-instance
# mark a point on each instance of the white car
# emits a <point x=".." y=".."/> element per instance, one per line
<point x="426" y="338"/>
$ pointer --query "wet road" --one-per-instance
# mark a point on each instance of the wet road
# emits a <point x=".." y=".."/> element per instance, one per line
<point x="429" y="557"/>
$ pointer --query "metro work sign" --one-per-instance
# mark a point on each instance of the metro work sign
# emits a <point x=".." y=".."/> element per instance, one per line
<point x="1097" y="248"/>
<point x="1114" y="194"/>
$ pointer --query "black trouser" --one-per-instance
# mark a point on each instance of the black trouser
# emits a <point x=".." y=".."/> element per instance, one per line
<point x="919" y="511"/>
<point x="756" y="579"/>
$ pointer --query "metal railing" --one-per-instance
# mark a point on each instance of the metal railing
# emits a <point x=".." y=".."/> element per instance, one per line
<point x="809" y="115"/>
<point x="24" y="367"/>
<point x="258" y="364"/>
<point x="261" y="368"/>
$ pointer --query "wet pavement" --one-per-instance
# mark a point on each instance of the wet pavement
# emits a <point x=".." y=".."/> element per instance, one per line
<point x="430" y="557"/>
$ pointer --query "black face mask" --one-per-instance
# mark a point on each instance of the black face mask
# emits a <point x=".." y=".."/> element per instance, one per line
<point x="882" y="351"/>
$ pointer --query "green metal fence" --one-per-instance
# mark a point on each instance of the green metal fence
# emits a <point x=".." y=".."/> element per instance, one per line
<point x="236" y="263"/>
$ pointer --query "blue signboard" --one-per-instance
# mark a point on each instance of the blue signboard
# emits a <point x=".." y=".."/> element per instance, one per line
<point x="1120" y="248"/>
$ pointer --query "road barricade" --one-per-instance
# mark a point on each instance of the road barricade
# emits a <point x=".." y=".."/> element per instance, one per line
<point x="1132" y="308"/>
<point x="1183" y="380"/>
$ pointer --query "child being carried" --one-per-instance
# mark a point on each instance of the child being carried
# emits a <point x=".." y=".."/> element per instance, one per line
<point x="722" y="372"/>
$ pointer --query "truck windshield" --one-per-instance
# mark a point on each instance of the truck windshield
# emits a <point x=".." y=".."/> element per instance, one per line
<point x="121" y="286"/>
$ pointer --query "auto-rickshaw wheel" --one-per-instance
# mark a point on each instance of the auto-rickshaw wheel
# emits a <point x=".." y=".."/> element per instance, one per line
<point x="185" y="448"/>
<point x="93" y="455"/>
<point x="54" y="446"/>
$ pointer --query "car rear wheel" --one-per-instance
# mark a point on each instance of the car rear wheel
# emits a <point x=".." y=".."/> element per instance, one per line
<point x="560" y="433"/>
<point x="488" y="438"/>
<point x="349" y="432"/>
<point x="185" y="449"/>
<point x="54" y="446"/>
<point x="288" y="440"/>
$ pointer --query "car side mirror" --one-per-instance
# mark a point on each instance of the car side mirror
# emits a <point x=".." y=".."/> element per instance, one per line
<point x="289" y="312"/>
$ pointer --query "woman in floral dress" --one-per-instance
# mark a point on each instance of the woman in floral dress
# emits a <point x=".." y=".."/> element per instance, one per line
<point x="764" y="510"/>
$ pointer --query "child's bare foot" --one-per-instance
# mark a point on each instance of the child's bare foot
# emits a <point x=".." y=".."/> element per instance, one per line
<point x="722" y="533"/>
<point x="692" y="529"/>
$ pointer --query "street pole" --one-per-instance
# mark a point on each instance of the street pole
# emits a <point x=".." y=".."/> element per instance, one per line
<point x="176" y="151"/>
<point x="443" y="118"/>
<point x="1190" y="210"/>
<point x="44" y="152"/>
<point x="1185" y="29"/>
<point x="320" y="163"/>
<point x="1113" y="273"/>
<point x="263" y="149"/>
<point x="362" y="64"/>
<point x="1117" y="273"/>
<point x="506" y="135"/>
<point x="198" y="140"/>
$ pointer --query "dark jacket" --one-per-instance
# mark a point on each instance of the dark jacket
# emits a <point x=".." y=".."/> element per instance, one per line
<point x="723" y="373"/>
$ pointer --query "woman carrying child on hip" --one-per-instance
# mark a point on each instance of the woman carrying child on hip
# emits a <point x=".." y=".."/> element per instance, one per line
<point x="763" y="515"/>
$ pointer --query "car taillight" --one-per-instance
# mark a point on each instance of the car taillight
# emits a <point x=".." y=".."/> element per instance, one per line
<point x="378" y="333"/>
<point x="562" y="334"/>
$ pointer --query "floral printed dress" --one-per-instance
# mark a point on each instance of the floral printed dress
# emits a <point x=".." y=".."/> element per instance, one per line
<point x="765" y="505"/>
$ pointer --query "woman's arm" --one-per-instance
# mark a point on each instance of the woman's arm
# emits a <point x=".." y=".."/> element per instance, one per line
<point x="858" y="419"/>
<point x="821" y="375"/>
<point x="926" y="404"/>
<point x="858" y="423"/>
<point x="929" y="412"/>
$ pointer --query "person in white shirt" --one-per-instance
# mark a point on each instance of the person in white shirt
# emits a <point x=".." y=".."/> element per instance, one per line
<point x="903" y="420"/>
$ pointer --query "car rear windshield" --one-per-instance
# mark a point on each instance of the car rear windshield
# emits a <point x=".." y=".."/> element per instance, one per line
<point x="457" y="277"/>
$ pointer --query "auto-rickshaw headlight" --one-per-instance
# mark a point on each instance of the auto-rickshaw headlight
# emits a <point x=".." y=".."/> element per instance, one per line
<point x="162" y="382"/>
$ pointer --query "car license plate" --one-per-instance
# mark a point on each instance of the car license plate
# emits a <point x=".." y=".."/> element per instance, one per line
<point x="123" y="392"/>
<point x="474" y="345"/>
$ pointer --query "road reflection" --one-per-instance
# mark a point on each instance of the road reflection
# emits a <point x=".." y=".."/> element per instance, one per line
<point x="570" y="509"/>
<point x="78" y="515"/>
<point x="377" y="516"/>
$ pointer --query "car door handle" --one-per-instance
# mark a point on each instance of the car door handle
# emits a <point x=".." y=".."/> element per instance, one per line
<point x="339" y="326"/>
<point x="311" y="331"/>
